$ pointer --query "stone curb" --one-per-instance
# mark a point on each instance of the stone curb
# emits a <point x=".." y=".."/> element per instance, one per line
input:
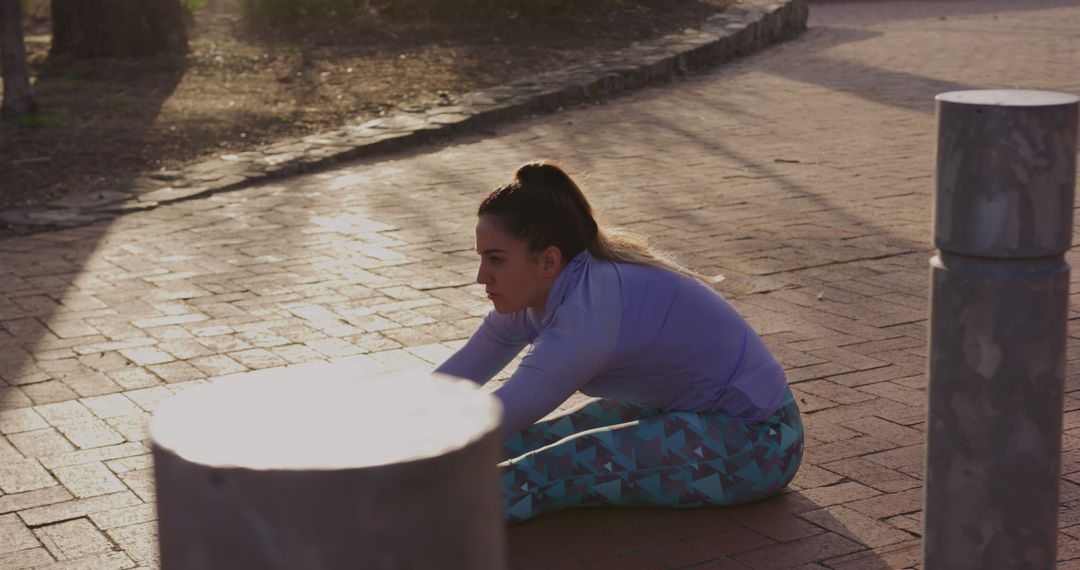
<point x="739" y="30"/>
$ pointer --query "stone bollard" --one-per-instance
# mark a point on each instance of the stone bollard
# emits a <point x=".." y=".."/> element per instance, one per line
<point x="1006" y="174"/>
<point x="308" y="467"/>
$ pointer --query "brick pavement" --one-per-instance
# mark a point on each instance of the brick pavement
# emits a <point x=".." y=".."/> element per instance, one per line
<point x="803" y="174"/>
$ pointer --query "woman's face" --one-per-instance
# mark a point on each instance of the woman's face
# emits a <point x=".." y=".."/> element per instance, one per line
<point x="513" y="277"/>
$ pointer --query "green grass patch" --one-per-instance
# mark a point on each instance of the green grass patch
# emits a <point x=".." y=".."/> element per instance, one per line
<point x="72" y="76"/>
<point x="119" y="100"/>
<point x="52" y="119"/>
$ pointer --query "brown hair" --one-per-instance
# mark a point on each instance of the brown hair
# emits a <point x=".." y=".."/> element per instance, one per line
<point x="543" y="206"/>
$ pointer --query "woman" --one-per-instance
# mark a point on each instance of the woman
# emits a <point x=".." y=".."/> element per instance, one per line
<point x="694" y="410"/>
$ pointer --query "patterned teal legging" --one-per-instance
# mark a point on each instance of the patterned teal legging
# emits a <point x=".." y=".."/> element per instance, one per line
<point x="622" y="454"/>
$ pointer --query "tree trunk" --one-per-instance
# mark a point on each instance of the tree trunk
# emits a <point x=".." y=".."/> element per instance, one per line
<point x="118" y="28"/>
<point x="18" y="95"/>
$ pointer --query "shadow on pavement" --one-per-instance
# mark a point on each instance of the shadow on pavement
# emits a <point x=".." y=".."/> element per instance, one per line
<point x="59" y="293"/>
<point x="763" y="535"/>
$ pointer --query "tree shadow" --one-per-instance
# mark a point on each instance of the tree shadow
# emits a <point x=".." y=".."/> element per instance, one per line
<point x="45" y="310"/>
<point x="783" y="532"/>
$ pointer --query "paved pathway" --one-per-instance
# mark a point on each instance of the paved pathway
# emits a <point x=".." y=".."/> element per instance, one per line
<point x="803" y="174"/>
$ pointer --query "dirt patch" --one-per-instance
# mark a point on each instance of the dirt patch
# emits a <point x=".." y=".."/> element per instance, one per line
<point x="104" y="122"/>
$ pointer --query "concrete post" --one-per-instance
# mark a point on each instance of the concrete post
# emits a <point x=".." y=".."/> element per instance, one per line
<point x="1006" y="175"/>
<point x="307" y="467"/>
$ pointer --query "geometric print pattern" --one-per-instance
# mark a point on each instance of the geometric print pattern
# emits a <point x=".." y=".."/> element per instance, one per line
<point x="609" y="453"/>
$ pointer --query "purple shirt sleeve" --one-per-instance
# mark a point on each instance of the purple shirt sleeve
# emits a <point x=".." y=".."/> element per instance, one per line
<point x="570" y="351"/>
<point x="498" y="340"/>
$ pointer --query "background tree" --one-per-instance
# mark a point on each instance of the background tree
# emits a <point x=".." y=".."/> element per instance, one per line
<point x="18" y="95"/>
<point x="110" y="28"/>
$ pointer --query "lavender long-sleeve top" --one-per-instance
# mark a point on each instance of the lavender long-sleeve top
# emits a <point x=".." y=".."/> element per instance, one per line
<point x="627" y="332"/>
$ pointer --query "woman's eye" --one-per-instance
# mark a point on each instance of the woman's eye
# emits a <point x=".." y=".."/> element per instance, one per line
<point x="495" y="260"/>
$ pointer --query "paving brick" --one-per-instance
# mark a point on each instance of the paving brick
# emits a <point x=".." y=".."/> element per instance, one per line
<point x="845" y="448"/>
<point x="31" y="499"/>
<point x="177" y="372"/>
<point x="25" y="373"/>
<point x="856" y="526"/>
<point x="88" y="479"/>
<point x="808" y="404"/>
<point x="802" y="551"/>
<point x="30" y="558"/>
<point x="126" y="516"/>
<point x="185" y="349"/>
<point x="826" y="432"/>
<point x="904" y="555"/>
<point x="299" y="353"/>
<point x="91" y="455"/>
<point x="816" y="371"/>
<point x="148" y="398"/>
<point x="872" y="474"/>
<point x="217" y="365"/>
<point x="134" y="378"/>
<point x="132" y="343"/>
<point x="40" y="442"/>
<point x="169" y="320"/>
<point x="48" y="392"/>
<point x="884" y="506"/>
<point x="811" y="477"/>
<point x="886" y="430"/>
<point x="78" y="508"/>
<point x="145" y="356"/>
<point x="168" y="332"/>
<point x="110" y="406"/>
<point x="14" y="536"/>
<point x="896" y="392"/>
<point x="104" y="361"/>
<point x="21" y="420"/>
<point x="65" y="413"/>
<point x="848" y="358"/>
<point x="811" y="499"/>
<point x="91" y="434"/>
<point x="101" y="561"/>
<point x="834" y="392"/>
<point x="902" y="457"/>
<point x="257" y="358"/>
<point x="89" y="383"/>
<point x="912" y="523"/>
<point x="631" y="540"/>
<point x="709" y="547"/>
<point x="13" y="398"/>
<point x="21" y="475"/>
<point x="772" y="522"/>
<point x="885" y="409"/>
<point x="141" y="482"/>
<point x="133" y="427"/>
<point x="139" y="541"/>
<point x="72" y="540"/>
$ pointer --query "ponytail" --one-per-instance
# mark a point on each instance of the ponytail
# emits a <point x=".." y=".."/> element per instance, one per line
<point x="543" y="206"/>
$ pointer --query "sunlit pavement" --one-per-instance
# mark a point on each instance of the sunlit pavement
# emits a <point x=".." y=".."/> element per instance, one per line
<point x="803" y="174"/>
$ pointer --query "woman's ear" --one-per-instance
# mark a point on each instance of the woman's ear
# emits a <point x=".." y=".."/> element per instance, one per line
<point x="550" y="261"/>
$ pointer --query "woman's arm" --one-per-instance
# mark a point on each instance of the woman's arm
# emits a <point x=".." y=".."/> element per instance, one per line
<point x="498" y="340"/>
<point x="567" y="355"/>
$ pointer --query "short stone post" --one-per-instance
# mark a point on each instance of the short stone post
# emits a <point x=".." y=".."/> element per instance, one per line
<point x="309" y="467"/>
<point x="1006" y="175"/>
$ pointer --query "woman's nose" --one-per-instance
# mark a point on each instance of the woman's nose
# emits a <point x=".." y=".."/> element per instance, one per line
<point x="482" y="276"/>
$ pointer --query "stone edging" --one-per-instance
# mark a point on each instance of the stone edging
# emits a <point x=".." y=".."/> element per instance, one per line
<point x="740" y="29"/>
